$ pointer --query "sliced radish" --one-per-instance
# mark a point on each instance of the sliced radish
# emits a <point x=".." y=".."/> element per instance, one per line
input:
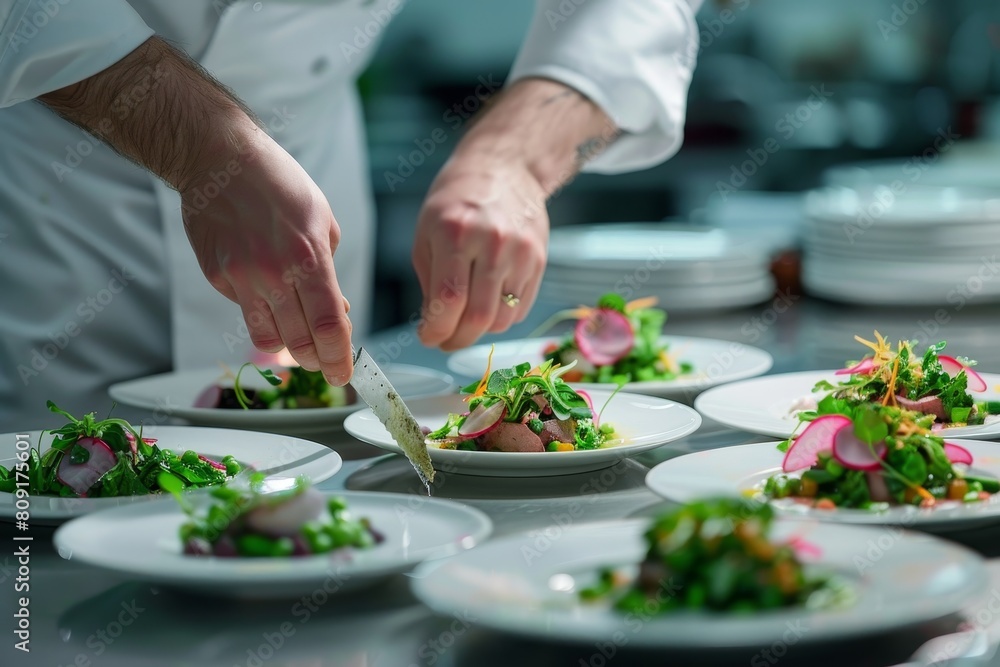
<point x="590" y="404"/>
<point x="482" y="419"/>
<point x="817" y="437"/>
<point x="286" y="518"/>
<point x="214" y="464"/>
<point x="953" y="367"/>
<point x="852" y="452"/>
<point x="604" y="337"/>
<point x="957" y="453"/>
<point x="804" y="548"/>
<point x="209" y="397"/>
<point x="863" y="367"/>
<point x="80" y="477"/>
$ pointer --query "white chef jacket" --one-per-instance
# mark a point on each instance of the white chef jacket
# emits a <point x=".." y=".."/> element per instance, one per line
<point x="97" y="280"/>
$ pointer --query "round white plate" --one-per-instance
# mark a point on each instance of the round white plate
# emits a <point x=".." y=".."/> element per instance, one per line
<point x="141" y="541"/>
<point x="268" y="453"/>
<point x="739" y="469"/>
<point x="763" y="405"/>
<point x="512" y="585"/>
<point x="655" y="246"/>
<point x="173" y="395"/>
<point x="645" y="422"/>
<point x="715" y="362"/>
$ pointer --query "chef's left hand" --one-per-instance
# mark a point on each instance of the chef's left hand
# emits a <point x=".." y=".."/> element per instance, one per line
<point x="482" y="234"/>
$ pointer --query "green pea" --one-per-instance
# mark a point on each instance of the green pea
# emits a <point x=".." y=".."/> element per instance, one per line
<point x="255" y="546"/>
<point x="190" y="458"/>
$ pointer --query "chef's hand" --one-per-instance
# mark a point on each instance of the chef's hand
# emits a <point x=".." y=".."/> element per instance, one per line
<point x="266" y="241"/>
<point x="482" y="234"/>
<point x="262" y="230"/>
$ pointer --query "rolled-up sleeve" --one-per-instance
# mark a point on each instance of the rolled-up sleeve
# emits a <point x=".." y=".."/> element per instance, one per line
<point x="633" y="58"/>
<point x="49" y="44"/>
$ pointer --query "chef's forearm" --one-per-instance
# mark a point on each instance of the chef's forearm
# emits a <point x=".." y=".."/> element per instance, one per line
<point x="161" y="110"/>
<point x="550" y="127"/>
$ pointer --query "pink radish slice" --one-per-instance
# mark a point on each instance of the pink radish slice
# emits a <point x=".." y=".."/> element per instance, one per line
<point x="482" y="419"/>
<point x="852" y="452"/>
<point x="209" y="397"/>
<point x="604" y="337"/>
<point x="863" y="367"/>
<point x="285" y="519"/>
<point x="957" y="453"/>
<point x="214" y="464"/>
<point x="81" y="476"/>
<point x="590" y="404"/>
<point x="804" y="548"/>
<point x="817" y="437"/>
<point x="953" y="367"/>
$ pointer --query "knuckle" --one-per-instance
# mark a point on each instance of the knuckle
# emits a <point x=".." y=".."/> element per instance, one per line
<point x="332" y="327"/>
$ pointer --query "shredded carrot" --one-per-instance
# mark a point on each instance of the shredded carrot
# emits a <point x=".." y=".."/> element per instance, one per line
<point x="668" y="362"/>
<point x="645" y="302"/>
<point x="890" y="392"/>
<point x="581" y="312"/>
<point x="481" y="387"/>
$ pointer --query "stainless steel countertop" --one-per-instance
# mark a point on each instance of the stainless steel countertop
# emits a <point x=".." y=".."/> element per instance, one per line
<point x="76" y="609"/>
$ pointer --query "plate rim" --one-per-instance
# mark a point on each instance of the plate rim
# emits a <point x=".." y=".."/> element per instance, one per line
<point x="712" y="393"/>
<point x="956" y="517"/>
<point x="629" y="527"/>
<point x="7" y="506"/>
<point x="459" y="458"/>
<point x="483" y="524"/>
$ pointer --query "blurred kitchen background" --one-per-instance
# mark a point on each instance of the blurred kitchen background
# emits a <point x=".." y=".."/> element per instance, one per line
<point x="899" y="73"/>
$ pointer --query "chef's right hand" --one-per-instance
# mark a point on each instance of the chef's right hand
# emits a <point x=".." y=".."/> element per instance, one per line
<point x="265" y="236"/>
<point x="262" y="230"/>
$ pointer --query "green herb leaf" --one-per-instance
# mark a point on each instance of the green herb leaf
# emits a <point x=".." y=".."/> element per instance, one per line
<point x="612" y="301"/>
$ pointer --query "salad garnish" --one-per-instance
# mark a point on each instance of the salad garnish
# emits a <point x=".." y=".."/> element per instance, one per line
<point x="715" y="555"/>
<point x="293" y="388"/>
<point x="525" y="409"/>
<point x="934" y="384"/>
<point x="615" y="342"/>
<point x="247" y="519"/>
<point x="91" y="458"/>
<point x="875" y="456"/>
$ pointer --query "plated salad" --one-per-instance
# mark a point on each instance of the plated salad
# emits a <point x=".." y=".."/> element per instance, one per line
<point x="715" y="555"/>
<point x="293" y="388"/>
<point x="874" y="457"/>
<point x="91" y="458"/>
<point x="525" y="409"/>
<point x="247" y="520"/>
<point x="932" y="384"/>
<point x="615" y="342"/>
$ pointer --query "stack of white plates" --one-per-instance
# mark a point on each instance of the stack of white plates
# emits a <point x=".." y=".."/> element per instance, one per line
<point x="903" y="244"/>
<point x="687" y="268"/>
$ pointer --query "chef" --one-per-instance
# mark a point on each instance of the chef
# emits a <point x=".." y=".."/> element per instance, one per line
<point x="176" y="176"/>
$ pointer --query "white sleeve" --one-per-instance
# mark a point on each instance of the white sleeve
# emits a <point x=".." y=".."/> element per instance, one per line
<point x="633" y="58"/>
<point x="49" y="44"/>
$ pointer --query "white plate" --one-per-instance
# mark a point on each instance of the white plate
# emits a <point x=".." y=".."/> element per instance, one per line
<point x="762" y="405"/>
<point x="663" y="246"/>
<point x="512" y="585"/>
<point x="173" y="395"/>
<point x="715" y="362"/>
<point x="732" y="470"/>
<point x="644" y="421"/>
<point x="141" y="541"/>
<point x="269" y="453"/>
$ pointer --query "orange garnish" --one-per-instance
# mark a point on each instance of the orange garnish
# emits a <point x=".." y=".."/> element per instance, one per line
<point x="645" y="302"/>
<point x="890" y="392"/>
<point x="481" y="387"/>
<point x="882" y="349"/>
